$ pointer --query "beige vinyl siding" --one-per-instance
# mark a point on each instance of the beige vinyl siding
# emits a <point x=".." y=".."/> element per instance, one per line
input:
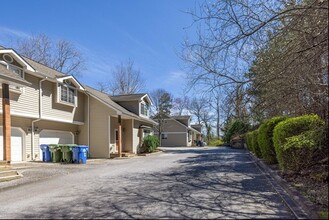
<point x="99" y="129"/>
<point x="53" y="110"/>
<point x="26" y="102"/>
<point x="83" y="129"/>
<point x="173" y="126"/>
<point x="127" y="135"/>
<point x="132" y="106"/>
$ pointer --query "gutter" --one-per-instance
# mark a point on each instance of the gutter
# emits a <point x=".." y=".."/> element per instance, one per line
<point x="36" y="120"/>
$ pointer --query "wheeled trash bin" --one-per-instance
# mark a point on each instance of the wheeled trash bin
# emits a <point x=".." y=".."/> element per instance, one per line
<point x="80" y="154"/>
<point x="46" y="156"/>
<point x="55" y="151"/>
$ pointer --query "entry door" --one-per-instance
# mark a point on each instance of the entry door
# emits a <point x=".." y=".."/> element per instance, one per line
<point x="116" y="135"/>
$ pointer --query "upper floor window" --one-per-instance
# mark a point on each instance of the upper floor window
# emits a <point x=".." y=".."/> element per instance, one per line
<point x="15" y="69"/>
<point x="67" y="94"/>
<point x="144" y="109"/>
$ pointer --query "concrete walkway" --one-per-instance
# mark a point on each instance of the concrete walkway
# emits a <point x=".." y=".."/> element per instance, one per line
<point x="178" y="183"/>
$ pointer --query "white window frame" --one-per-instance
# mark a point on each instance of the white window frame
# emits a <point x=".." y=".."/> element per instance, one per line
<point x="66" y="102"/>
<point x="147" y="109"/>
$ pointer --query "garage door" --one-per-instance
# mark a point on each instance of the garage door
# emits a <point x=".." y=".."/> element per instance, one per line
<point x="55" y="137"/>
<point x="16" y="144"/>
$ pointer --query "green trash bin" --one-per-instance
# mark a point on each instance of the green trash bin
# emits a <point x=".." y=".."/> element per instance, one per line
<point x="67" y="154"/>
<point x="55" y="152"/>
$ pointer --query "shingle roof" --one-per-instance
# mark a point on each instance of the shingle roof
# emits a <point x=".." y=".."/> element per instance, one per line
<point x="129" y="97"/>
<point x="8" y="75"/>
<point x="43" y="69"/>
<point x="181" y="117"/>
<point x="107" y="99"/>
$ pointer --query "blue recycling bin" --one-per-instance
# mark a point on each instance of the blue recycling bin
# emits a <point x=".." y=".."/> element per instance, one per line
<point x="80" y="154"/>
<point x="46" y="156"/>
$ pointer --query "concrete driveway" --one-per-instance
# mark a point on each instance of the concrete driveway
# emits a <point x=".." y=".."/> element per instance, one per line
<point x="178" y="183"/>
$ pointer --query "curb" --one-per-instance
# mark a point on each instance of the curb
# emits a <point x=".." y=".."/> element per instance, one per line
<point x="300" y="206"/>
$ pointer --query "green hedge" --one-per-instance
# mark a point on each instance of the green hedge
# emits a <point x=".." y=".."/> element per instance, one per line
<point x="295" y="140"/>
<point x="236" y="127"/>
<point x="248" y="140"/>
<point x="254" y="143"/>
<point x="265" y="139"/>
<point x="150" y="144"/>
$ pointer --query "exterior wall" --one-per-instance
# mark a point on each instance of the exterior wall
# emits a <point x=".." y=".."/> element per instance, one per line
<point x="100" y="134"/>
<point x="132" y="106"/>
<point x="173" y="126"/>
<point x="138" y="135"/>
<point x="25" y="103"/>
<point x="25" y="125"/>
<point x="127" y="135"/>
<point x="83" y="129"/>
<point x="184" y="122"/>
<point x="174" y="140"/>
<point x="53" y="110"/>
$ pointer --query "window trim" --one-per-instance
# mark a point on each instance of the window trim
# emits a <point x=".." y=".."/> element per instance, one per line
<point x="59" y="95"/>
<point x="147" y="109"/>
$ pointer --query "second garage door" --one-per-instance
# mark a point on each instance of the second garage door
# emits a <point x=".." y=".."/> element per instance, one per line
<point x="55" y="137"/>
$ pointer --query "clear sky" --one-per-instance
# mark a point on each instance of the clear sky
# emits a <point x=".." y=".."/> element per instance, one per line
<point x="149" y="32"/>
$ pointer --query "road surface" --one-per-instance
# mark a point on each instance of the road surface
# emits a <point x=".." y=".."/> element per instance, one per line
<point x="178" y="183"/>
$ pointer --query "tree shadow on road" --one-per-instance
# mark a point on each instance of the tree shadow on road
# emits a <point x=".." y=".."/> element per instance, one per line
<point x="212" y="184"/>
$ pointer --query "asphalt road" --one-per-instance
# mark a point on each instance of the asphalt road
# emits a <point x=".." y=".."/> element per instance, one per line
<point x="178" y="183"/>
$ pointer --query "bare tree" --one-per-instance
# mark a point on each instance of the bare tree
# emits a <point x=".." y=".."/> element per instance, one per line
<point x="201" y="110"/>
<point x="277" y="49"/>
<point x="62" y="55"/>
<point x="180" y="104"/>
<point x="125" y="80"/>
<point x="162" y="101"/>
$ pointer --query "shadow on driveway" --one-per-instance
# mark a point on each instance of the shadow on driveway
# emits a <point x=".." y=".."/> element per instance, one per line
<point x="213" y="183"/>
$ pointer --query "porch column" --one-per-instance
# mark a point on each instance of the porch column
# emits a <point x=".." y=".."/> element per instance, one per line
<point x="6" y="123"/>
<point x="119" y="136"/>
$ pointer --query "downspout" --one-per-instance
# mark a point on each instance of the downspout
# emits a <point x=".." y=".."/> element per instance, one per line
<point x="36" y="120"/>
<point x="88" y="127"/>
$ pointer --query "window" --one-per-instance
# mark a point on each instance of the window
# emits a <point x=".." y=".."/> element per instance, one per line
<point x="67" y="94"/>
<point x="146" y="132"/>
<point x="14" y="69"/>
<point x="164" y="136"/>
<point x="144" y="109"/>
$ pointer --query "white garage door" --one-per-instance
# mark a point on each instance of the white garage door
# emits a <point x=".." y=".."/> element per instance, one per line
<point x="55" y="137"/>
<point x="16" y="144"/>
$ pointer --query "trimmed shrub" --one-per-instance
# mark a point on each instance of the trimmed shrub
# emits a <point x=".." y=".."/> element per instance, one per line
<point x="254" y="143"/>
<point x="265" y="139"/>
<point x="237" y="127"/>
<point x="248" y="139"/>
<point x="295" y="141"/>
<point x="216" y="142"/>
<point x="150" y="144"/>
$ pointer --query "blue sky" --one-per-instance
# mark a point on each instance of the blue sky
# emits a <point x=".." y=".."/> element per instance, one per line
<point x="148" y="32"/>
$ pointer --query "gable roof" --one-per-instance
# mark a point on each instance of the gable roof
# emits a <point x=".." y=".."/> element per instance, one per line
<point x="106" y="99"/>
<point x="11" y="78"/>
<point x="173" y="118"/>
<point x="182" y="117"/>
<point x="19" y="58"/>
<point x="131" y="97"/>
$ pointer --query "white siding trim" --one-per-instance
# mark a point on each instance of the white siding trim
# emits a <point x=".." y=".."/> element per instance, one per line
<point x="62" y="120"/>
<point x="13" y="113"/>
